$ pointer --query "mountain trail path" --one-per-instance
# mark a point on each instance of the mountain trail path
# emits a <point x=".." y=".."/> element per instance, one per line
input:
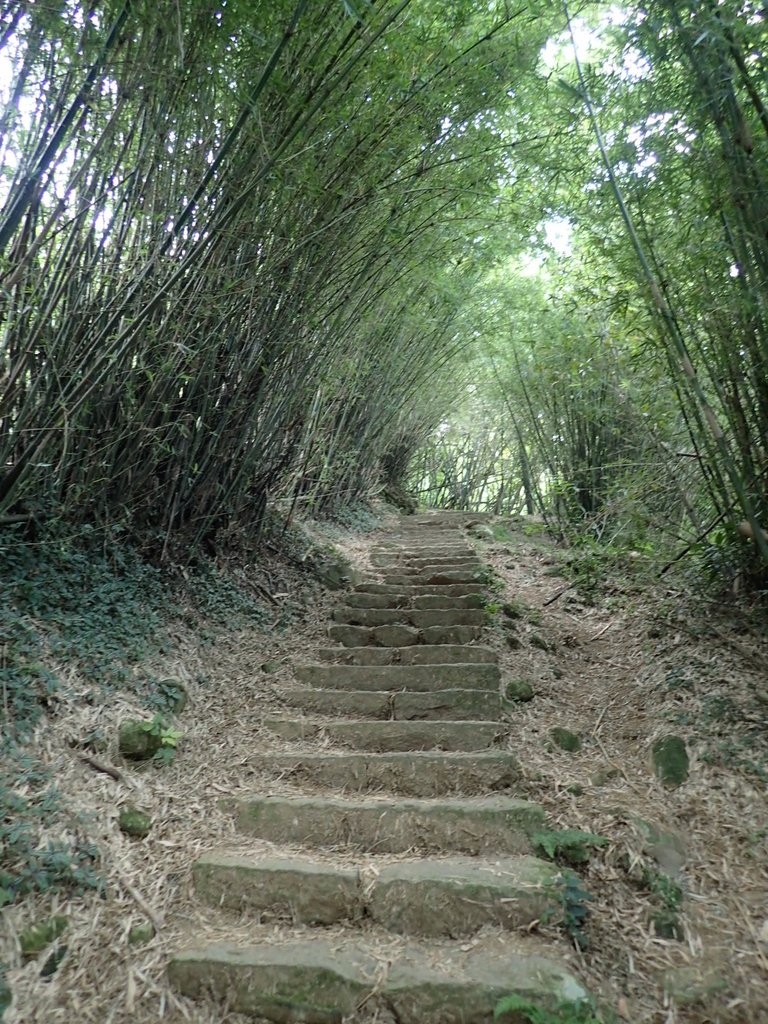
<point x="436" y="794"/>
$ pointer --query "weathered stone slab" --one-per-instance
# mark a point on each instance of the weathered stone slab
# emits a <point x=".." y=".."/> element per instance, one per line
<point x="458" y="987"/>
<point x="341" y="703"/>
<point x="448" y="705"/>
<point x="449" y="634"/>
<point x="480" y="825"/>
<point x="406" y="616"/>
<point x="424" y="654"/>
<point x="439" y="577"/>
<point x="383" y="636"/>
<point x="418" y="773"/>
<point x="458" y="896"/>
<point x="378" y="600"/>
<point x="422" y="601"/>
<point x="443" y="654"/>
<point x="439" y="556"/>
<point x="308" y="982"/>
<point x="457" y="590"/>
<point x="433" y="577"/>
<point x="394" y="636"/>
<point x="400" y="677"/>
<point x="302" y="890"/>
<point x="326" y="980"/>
<point x="385" y="736"/>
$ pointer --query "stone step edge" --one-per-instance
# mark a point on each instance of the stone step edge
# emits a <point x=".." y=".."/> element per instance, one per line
<point x="450" y="896"/>
<point x="325" y="980"/>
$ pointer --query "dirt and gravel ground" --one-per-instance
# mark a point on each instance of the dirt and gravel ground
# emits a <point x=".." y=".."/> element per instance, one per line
<point x="620" y="672"/>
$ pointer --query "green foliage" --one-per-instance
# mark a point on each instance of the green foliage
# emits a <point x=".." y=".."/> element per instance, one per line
<point x="575" y="912"/>
<point x="30" y="864"/>
<point x="568" y="846"/>
<point x="168" y="737"/>
<point x="532" y="1013"/>
<point x="664" y="888"/>
<point x="71" y="599"/>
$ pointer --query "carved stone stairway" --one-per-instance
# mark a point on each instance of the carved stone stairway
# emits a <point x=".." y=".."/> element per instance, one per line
<point x="400" y="872"/>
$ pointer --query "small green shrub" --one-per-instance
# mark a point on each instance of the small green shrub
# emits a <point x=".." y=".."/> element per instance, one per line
<point x="168" y="737"/>
<point x="569" y="846"/>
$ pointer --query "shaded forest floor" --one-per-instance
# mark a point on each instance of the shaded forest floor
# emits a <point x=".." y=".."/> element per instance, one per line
<point x="620" y="663"/>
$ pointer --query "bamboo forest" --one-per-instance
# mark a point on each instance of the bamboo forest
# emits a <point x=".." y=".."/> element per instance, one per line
<point x="384" y="511"/>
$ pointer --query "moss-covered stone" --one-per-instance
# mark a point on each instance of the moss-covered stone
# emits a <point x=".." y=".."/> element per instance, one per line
<point x="670" y="760"/>
<point x="141" y="933"/>
<point x="565" y="739"/>
<point x="136" y="742"/>
<point x="33" y="940"/>
<point x="134" y="822"/>
<point x="537" y="640"/>
<point x="518" y="690"/>
<point x="666" y="924"/>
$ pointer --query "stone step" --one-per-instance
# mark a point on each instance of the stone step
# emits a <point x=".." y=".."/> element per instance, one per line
<point x="402" y="636"/>
<point x="472" y="825"/>
<point x="400" y="677"/>
<point x="431" y="654"/>
<point x="327" y="980"/>
<point x="439" y="705"/>
<point x="419" y="618"/>
<point x="435" y="552"/>
<point x="422" y="574"/>
<point x="422" y="561"/>
<point x="434" y="577"/>
<point x="418" y="773"/>
<point x="450" y="897"/>
<point x="418" y="601"/>
<point x="391" y="736"/>
<point x="458" y="590"/>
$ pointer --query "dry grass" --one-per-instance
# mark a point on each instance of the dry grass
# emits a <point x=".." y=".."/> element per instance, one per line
<point x="600" y="679"/>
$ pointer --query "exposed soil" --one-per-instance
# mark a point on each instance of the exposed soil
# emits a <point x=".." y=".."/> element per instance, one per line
<point x="611" y="672"/>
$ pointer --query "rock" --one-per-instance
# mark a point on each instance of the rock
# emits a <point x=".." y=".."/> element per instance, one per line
<point x="536" y="640"/>
<point x="140" y="934"/>
<point x="335" y="572"/>
<point x="667" y="848"/>
<point x="270" y="667"/>
<point x="670" y="760"/>
<point x="518" y="690"/>
<point x="565" y="739"/>
<point x="134" y="822"/>
<point x="34" y="939"/>
<point x="666" y="924"/>
<point x="691" y="984"/>
<point x="482" y="532"/>
<point x="136" y="742"/>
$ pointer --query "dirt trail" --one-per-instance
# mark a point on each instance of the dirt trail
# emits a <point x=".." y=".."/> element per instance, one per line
<point x="593" y="670"/>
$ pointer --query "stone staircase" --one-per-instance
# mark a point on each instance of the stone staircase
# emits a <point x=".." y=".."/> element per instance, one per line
<point x="400" y="884"/>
